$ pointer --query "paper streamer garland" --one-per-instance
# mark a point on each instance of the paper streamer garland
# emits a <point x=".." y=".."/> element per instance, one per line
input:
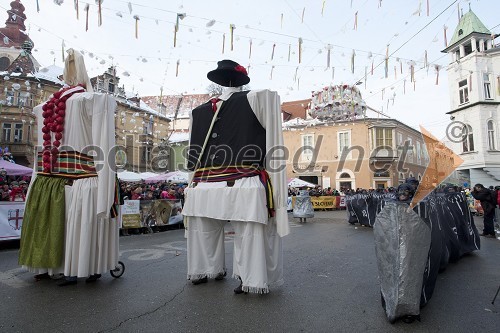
<point x="250" y="49"/>
<point x="231" y="31"/>
<point x="352" y="61"/>
<point x="223" y="42"/>
<point x="136" y="18"/>
<point x="437" y="68"/>
<point x="272" y="54"/>
<point x="300" y="50"/>
<point x="355" y="21"/>
<point x="87" y="17"/>
<point x="62" y="49"/>
<point x="303" y="12"/>
<point x="445" y="39"/>
<point x="177" y="68"/>
<point x="99" y="12"/>
<point x="328" y="54"/>
<point x="289" y="51"/>
<point x="77" y="11"/>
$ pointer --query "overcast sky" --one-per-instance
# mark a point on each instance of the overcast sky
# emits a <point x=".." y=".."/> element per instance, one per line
<point x="149" y="62"/>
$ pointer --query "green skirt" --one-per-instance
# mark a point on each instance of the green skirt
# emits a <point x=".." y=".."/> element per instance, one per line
<point x="42" y="233"/>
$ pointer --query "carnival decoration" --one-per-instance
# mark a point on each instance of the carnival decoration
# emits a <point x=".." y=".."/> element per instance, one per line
<point x="337" y="103"/>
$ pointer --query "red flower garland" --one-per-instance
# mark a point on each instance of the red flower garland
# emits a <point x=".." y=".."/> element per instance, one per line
<point x="54" y="112"/>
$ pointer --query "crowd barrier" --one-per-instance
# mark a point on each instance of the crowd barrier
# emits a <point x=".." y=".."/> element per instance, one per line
<point x="322" y="202"/>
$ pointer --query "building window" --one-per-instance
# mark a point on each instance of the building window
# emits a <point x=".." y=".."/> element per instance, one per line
<point x="491" y="135"/>
<point x="345" y="175"/>
<point x="383" y="137"/>
<point x="111" y="86"/>
<point x="18" y="132"/>
<point x="344" y="139"/>
<point x="410" y="151"/>
<point x="4" y="63"/>
<point x="307" y="147"/>
<point x="400" y="139"/>
<point x="9" y="97"/>
<point x="463" y="91"/>
<point x="6" y="130"/>
<point x="467" y="139"/>
<point x="487" y="86"/>
<point x="24" y="99"/>
<point x="419" y="157"/>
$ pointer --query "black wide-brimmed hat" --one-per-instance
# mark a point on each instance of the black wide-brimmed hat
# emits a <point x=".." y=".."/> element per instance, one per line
<point x="229" y="74"/>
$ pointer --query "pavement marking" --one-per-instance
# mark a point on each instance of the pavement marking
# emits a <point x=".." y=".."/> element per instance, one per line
<point x="10" y="278"/>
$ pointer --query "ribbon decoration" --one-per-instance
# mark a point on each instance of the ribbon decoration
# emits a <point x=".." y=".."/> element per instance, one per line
<point x="426" y="64"/>
<point x="300" y="50"/>
<point x="372" y="67"/>
<point x="62" y="49"/>
<point x="272" y="54"/>
<point x="272" y="69"/>
<point x="303" y="12"/>
<point x="37" y="7"/>
<point x="404" y="87"/>
<point x="395" y="72"/>
<point x="231" y="31"/>
<point x="366" y="75"/>
<point x="352" y="61"/>
<point x="223" y="42"/>
<point x="250" y="49"/>
<point x="428" y="9"/>
<point x="76" y="8"/>
<point x="445" y="39"/>
<point x="437" y="68"/>
<point x="289" y="51"/>
<point x="328" y="54"/>
<point x="248" y="69"/>
<point x="295" y="76"/>
<point x="355" y="20"/>
<point x="136" y="17"/>
<point x="177" y="68"/>
<point x="130" y="8"/>
<point x="86" y="8"/>
<point x="323" y="7"/>
<point x="383" y="91"/>
<point x="99" y="12"/>
<point x="333" y="73"/>
<point x="281" y="21"/>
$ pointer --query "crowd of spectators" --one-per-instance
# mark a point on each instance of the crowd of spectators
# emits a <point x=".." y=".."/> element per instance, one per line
<point x="13" y="188"/>
<point x="143" y="191"/>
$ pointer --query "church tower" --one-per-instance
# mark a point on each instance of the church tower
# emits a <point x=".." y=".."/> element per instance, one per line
<point x="474" y="86"/>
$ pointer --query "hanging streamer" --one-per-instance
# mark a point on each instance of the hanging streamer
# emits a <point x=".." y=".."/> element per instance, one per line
<point x="250" y="50"/>
<point x="136" y="17"/>
<point x="445" y="39"/>
<point x="248" y="69"/>
<point x="395" y="72"/>
<point x="177" y="68"/>
<point x="298" y="83"/>
<point x="426" y="64"/>
<point x="295" y="76"/>
<point x="458" y="11"/>
<point x="404" y="86"/>
<point x="76" y="8"/>
<point x="62" y="49"/>
<point x="352" y="61"/>
<point x="223" y="42"/>
<point x="328" y="54"/>
<point x="231" y="31"/>
<point x="386" y="67"/>
<point x="300" y="50"/>
<point x="498" y="85"/>
<point x="272" y="54"/>
<point x="401" y="67"/>
<point x="355" y="21"/>
<point x="323" y="7"/>
<point x="412" y="71"/>
<point x="175" y="36"/>
<point x="303" y="12"/>
<point x="383" y="91"/>
<point x="366" y="75"/>
<point x="333" y="74"/>
<point x="351" y="3"/>
<point x="86" y="8"/>
<point x="281" y="23"/>
<point x="379" y="3"/>
<point x="414" y="85"/>
<point x="130" y="8"/>
<point x="37" y="7"/>
<point x="428" y="8"/>
<point x="289" y="51"/>
<point x="271" y="76"/>
<point x="372" y="67"/>
<point x="437" y="68"/>
<point x="99" y="13"/>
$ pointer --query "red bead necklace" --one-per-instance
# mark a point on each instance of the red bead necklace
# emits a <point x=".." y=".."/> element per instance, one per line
<point x="54" y="112"/>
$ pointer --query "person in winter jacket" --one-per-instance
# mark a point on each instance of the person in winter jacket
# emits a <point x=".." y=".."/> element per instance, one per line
<point x="488" y="201"/>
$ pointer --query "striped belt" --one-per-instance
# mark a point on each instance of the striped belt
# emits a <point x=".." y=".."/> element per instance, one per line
<point x="233" y="172"/>
<point x="70" y="164"/>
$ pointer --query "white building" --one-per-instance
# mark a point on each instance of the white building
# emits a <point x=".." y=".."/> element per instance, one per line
<point x="474" y="85"/>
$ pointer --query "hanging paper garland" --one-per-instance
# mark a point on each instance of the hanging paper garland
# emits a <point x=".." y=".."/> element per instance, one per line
<point x="99" y="11"/>
<point x="300" y="50"/>
<point x="437" y="68"/>
<point x="352" y="61"/>
<point x="177" y="68"/>
<point x="323" y="7"/>
<point x="356" y="21"/>
<point x="250" y="50"/>
<point x="328" y="54"/>
<point x="445" y="39"/>
<point x="223" y="42"/>
<point x="76" y="8"/>
<point x="136" y="17"/>
<point x="231" y="30"/>
<point x="281" y="20"/>
<point x="426" y="64"/>
<point x="37" y="7"/>
<point x="62" y="49"/>
<point x="289" y="51"/>
<point x="333" y="73"/>
<point x="303" y="11"/>
<point x="86" y="17"/>
<point x="272" y="69"/>
<point x="428" y="9"/>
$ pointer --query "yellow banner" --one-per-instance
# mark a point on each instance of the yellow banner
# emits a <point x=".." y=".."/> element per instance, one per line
<point x="326" y="202"/>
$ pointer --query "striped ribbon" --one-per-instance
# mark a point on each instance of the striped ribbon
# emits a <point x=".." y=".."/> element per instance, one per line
<point x="233" y="172"/>
<point x="70" y="164"/>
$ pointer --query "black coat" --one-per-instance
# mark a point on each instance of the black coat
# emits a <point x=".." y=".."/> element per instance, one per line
<point x="487" y="199"/>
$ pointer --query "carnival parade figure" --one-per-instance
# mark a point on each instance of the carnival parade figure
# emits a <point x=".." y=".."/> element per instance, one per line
<point x="236" y="178"/>
<point x="68" y="224"/>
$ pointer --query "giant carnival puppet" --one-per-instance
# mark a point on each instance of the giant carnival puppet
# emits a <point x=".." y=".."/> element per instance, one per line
<point x="68" y="223"/>
<point x="235" y="146"/>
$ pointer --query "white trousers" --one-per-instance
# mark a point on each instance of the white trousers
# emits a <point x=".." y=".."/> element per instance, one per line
<point x="257" y="255"/>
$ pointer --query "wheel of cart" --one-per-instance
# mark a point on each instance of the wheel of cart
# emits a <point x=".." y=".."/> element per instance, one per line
<point x="118" y="271"/>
